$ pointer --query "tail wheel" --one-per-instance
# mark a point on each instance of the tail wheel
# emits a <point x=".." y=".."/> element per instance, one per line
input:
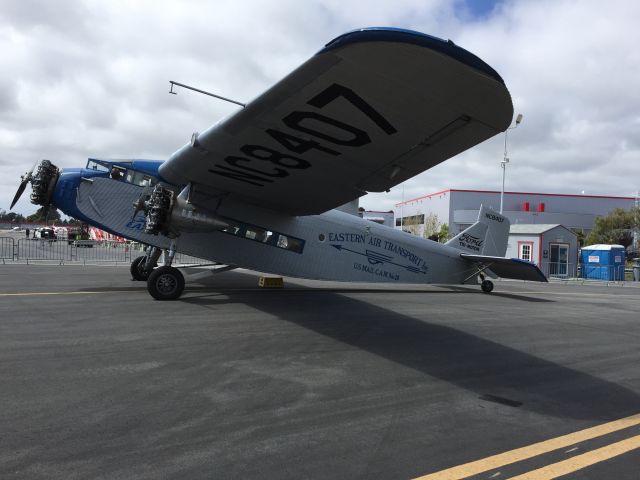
<point x="137" y="269"/>
<point x="487" y="286"/>
<point x="165" y="283"/>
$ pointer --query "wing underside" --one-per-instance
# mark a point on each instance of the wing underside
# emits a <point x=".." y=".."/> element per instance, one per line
<point x="370" y="110"/>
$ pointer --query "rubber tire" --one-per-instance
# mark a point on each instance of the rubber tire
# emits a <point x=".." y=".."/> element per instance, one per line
<point x="487" y="286"/>
<point x="136" y="270"/>
<point x="165" y="283"/>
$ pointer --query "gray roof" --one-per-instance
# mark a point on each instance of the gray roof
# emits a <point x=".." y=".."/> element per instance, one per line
<point x="532" y="228"/>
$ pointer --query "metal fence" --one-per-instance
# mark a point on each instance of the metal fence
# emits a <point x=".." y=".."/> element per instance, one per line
<point x="607" y="273"/>
<point x="559" y="269"/>
<point x="81" y="251"/>
<point x="595" y="271"/>
<point x="7" y="248"/>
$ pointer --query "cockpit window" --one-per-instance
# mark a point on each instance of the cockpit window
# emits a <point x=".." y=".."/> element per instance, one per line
<point x="122" y="171"/>
<point x="117" y="173"/>
<point x="93" y="165"/>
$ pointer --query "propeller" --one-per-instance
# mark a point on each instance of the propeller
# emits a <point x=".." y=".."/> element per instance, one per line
<point x="26" y="178"/>
<point x="140" y="204"/>
<point x="43" y="184"/>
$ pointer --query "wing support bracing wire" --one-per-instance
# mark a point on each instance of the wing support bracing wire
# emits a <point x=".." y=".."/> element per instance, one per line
<point x="203" y="92"/>
<point x="480" y="272"/>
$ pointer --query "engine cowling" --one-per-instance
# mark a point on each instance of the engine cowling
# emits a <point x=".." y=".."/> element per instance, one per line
<point x="43" y="183"/>
<point x="169" y="214"/>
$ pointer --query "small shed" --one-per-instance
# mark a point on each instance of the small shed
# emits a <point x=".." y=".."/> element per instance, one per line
<point x="603" y="262"/>
<point x="553" y="247"/>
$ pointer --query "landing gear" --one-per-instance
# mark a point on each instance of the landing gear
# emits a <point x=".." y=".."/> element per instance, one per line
<point x="487" y="286"/>
<point x="165" y="283"/>
<point x="137" y="269"/>
<point x="142" y="266"/>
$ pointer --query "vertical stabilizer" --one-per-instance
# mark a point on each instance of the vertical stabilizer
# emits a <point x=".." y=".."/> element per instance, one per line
<point x="488" y="236"/>
<point x="351" y="208"/>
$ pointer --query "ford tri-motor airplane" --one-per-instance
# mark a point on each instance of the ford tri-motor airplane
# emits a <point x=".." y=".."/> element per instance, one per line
<point x="261" y="189"/>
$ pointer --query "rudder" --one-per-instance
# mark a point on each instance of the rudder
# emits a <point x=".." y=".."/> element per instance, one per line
<point x="488" y="236"/>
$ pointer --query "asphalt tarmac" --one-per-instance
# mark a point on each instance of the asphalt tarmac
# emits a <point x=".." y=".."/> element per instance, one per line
<point x="318" y="380"/>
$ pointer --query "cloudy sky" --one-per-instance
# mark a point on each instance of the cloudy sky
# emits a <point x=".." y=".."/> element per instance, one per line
<point x="90" y="78"/>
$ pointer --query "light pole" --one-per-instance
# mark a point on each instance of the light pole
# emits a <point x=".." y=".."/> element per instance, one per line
<point x="505" y="159"/>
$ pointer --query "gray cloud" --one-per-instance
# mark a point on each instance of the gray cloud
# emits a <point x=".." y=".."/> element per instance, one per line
<point x="90" y="78"/>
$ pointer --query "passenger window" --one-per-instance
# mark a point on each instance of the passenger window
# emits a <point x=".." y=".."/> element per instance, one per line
<point x="269" y="237"/>
<point x="262" y="235"/>
<point x="282" y="242"/>
<point x="294" y="245"/>
<point x="139" y="178"/>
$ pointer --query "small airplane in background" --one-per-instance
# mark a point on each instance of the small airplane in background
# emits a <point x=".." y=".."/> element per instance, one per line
<point x="263" y="189"/>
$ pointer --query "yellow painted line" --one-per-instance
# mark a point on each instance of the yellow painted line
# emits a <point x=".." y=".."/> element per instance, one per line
<point x="579" y="462"/>
<point x="530" y="451"/>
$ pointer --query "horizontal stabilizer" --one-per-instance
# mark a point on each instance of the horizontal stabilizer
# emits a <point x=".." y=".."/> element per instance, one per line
<point x="513" y="268"/>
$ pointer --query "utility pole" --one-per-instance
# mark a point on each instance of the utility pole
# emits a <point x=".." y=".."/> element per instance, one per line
<point x="505" y="158"/>
<point x="636" y="224"/>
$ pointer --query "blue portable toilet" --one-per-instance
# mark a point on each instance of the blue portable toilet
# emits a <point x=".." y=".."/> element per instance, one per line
<point x="603" y="262"/>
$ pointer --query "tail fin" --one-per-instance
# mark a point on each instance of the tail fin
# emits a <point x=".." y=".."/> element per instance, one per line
<point x="488" y="236"/>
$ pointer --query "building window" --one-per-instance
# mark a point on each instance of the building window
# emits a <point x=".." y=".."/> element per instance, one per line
<point x="525" y="251"/>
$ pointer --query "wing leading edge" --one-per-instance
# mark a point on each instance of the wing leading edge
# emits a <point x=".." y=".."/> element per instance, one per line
<point x="370" y="110"/>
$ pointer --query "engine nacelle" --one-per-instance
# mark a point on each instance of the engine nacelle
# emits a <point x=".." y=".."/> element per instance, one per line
<point x="43" y="183"/>
<point x="171" y="214"/>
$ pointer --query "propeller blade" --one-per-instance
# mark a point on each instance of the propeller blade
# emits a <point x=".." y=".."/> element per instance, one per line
<point x="26" y="178"/>
<point x="138" y="205"/>
<point x="18" y="194"/>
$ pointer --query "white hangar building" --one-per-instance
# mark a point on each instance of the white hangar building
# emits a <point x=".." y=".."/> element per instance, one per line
<point x="459" y="208"/>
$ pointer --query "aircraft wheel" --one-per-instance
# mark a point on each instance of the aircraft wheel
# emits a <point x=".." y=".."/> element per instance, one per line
<point x="137" y="269"/>
<point x="487" y="286"/>
<point x="165" y="283"/>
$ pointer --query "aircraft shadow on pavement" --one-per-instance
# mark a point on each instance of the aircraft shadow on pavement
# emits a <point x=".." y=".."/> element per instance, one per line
<point x="465" y="360"/>
<point x="513" y="296"/>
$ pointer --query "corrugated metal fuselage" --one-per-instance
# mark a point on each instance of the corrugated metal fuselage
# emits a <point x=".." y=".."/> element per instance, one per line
<point x="331" y="246"/>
